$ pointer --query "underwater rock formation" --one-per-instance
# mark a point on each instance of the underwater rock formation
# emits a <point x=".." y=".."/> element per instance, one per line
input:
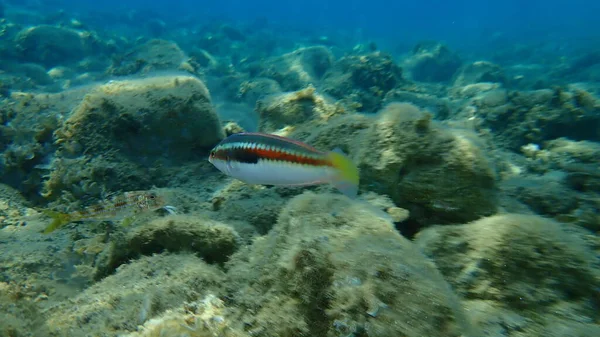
<point x="440" y="175"/>
<point x="546" y="194"/>
<point x="432" y="98"/>
<point x="566" y="181"/>
<point x="519" y="118"/>
<point x="452" y="153"/>
<point x="288" y="109"/>
<point x="331" y="267"/>
<point x="212" y="241"/>
<point x="296" y="70"/>
<point x="362" y="81"/>
<point x="35" y="73"/>
<point x="477" y="72"/>
<point x="432" y="62"/>
<point x="256" y="205"/>
<point x="583" y="67"/>
<point x="200" y="318"/>
<point x="253" y="90"/>
<point x="26" y="136"/>
<point x="136" y="292"/>
<point x="123" y="128"/>
<point x="51" y="46"/>
<point x="154" y="55"/>
<point x="519" y="272"/>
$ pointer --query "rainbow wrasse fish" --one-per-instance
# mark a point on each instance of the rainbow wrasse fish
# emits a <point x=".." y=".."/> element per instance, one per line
<point x="121" y="207"/>
<point x="265" y="159"/>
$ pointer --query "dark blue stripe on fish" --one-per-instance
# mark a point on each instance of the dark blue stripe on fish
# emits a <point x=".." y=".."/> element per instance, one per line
<point x="239" y="155"/>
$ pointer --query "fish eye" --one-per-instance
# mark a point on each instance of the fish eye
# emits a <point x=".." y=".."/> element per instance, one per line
<point x="212" y="153"/>
<point x="152" y="196"/>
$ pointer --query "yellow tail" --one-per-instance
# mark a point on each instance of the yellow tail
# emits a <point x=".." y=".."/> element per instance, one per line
<point x="348" y="178"/>
<point x="58" y="220"/>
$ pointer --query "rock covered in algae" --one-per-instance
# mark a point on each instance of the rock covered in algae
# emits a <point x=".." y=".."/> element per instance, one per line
<point x="479" y="72"/>
<point x="32" y="72"/>
<point x="200" y="318"/>
<point x="50" y="45"/>
<point x="278" y="111"/>
<point x="563" y="151"/>
<point x="519" y="268"/>
<point x="253" y="90"/>
<point x="33" y="268"/>
<point x="432" y="62"/>
<point x="254" y="204"/>
<point x="581" y="166"/>
<point x="155" y="54"/>
<point x="522" y="117"/>
<point x="331" y="267"/>
<point x="135" y="293"/>
<point x="122" y="128"/>
<point x="546" y="194"/>
<point x="26" y="136"/>
<point x="298" y="69"/>
<point x="427" y="99"/>
<point x="165" y="114"/>
<point x="362" y="80"/>
<point x="440" y="175"/>
<point x="210" y="240"/>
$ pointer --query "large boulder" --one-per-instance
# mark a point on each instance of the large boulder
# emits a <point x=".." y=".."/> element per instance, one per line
<point x="520" y="118"/>
<point x="441" y="175"/>
<point x="362" y="80"/>
<point x="295" y="70"/>
<point x="520" y="273"/>
<point x="251" y="91"/>
<point x="210" y="240"/>
<point x="332" y="267"/>
<point x="153" y="55"/>
<point x="125" y="133"/>
<point x="289" y="109"/>
<point x="567" y="190"/>
<point x="50" y="45"/>
<point x="26" y="136"/>
<point x="135" y="293"/>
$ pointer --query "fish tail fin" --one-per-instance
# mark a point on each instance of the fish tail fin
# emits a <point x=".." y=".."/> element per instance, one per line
<point x="347" y="178"/>
<point x="58" y="220"/>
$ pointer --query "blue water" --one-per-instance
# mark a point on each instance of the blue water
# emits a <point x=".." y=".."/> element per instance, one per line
<point x="459" y="22"/>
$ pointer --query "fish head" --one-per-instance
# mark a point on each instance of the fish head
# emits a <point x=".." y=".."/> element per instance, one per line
<point x="221" y="160"/>
<point x="150" y="200"/>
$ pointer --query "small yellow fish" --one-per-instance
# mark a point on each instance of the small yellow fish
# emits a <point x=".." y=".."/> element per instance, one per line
<point x="125" y="207"/>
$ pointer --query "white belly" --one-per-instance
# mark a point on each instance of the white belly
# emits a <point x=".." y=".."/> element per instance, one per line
<point x="277" y="173"/>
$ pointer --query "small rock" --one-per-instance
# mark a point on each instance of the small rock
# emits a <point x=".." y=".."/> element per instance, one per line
<point x="432" y="62"/>
<point x="292" y="108"/>
<point x="398" y="214"/>
<point x="210" y="240"/>
<point x="478" y="72"/>
<point x="231" y="128"/>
